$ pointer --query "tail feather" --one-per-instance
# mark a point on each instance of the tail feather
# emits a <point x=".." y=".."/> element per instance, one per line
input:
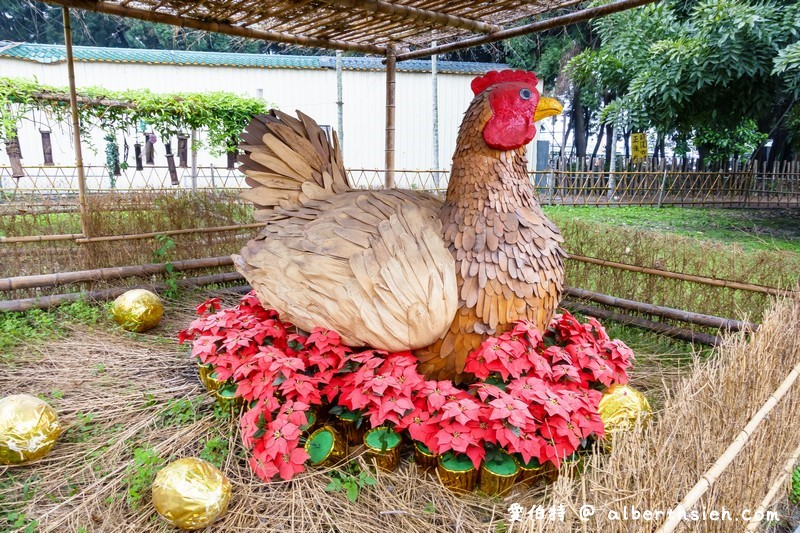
<point x="288" y="162"/>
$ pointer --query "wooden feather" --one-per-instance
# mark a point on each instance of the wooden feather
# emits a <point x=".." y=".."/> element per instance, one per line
<point x="395" y="269"/>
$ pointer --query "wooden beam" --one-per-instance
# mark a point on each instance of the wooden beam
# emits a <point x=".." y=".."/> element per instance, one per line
<point x="391" y="70"/>
<point x="76" y="125"/>
<point x="555" y="22"/>
<point x="434" y="18"/>
<point x="217" y="27"/>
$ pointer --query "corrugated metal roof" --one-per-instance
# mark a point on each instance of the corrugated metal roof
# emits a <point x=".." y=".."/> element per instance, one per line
<point x="55" y="53"/>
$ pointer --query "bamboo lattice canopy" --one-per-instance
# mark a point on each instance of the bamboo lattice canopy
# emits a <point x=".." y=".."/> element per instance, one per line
<point x="366" y="26"/>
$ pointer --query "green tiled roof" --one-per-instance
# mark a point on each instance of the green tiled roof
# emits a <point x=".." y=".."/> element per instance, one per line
<point x="54" y="53"/>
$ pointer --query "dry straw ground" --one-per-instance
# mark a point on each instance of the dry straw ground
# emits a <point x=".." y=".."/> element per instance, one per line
<point x="118" y="392"/>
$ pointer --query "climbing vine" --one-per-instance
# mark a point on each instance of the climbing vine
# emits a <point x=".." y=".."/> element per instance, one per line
<point x="222" y="115"/>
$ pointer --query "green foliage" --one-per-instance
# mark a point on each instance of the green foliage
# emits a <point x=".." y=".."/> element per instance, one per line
<point x="38" y="325"/>
<point x="695" y="67"/>
<point x="794" y="491"/>
<point x="730" y="142"/>
<point x="181" y="412"/>
<point x="215" y="451"/>
<point x="140" y="474"/>
<point x="350" y="480"/>
<point x="11" y="517"/>
<point x="223" y="115"/>
<point x="161" y="254"/>
<point x="112" y="158"/>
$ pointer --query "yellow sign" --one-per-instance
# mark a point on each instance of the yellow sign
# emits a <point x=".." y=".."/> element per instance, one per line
<point x="638" y="147"/>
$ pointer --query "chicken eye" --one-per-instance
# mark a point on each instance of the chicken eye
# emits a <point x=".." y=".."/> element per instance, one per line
<point x="525" y="94"/>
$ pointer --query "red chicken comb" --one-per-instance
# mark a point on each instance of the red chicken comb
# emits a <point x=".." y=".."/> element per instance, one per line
<point x="493" y="77"/>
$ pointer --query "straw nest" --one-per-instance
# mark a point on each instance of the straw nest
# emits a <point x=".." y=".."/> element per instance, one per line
<point x="117" y="392"/>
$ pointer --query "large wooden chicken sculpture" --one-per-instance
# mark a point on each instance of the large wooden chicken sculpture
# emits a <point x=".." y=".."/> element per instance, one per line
<point x="398" y="269"/>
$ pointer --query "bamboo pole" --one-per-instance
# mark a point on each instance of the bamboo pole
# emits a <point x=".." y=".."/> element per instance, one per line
<point x="416" y="14"/>
<point x="780" y="481"/>
<point x="46" y="302"/>
<point x="391" y="70"/>
<point x="664" y="312"/>
<point x="339" y="101"/>
<point x="76" y="126"/>
<point x="525" y="29"/>
<point x="41" y="238"/>
<point x="184" y="21"/>
<point x="710" y="476"/>
<point x="64" y="278"/>
<point x="664" y="329"/>
<point x="686" y="277"/>
<point x="113" y="238"/>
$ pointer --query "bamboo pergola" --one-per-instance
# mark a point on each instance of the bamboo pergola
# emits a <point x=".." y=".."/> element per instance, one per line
<point x="395" y="29"/>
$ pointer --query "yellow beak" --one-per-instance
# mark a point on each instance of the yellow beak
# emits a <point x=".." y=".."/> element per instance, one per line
<point x="547" y="107"/>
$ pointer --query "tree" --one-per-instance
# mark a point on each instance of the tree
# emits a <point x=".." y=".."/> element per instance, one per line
<point x="688" y="68"/>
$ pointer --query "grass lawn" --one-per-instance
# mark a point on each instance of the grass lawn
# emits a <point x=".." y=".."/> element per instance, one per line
<point x="753" y="229"/>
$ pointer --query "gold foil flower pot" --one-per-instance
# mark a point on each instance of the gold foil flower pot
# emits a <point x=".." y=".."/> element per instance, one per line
<point x="138" y="310"/>
<point x="29" y="428"/>
<point x="311" y="422"/>
<point x="326" y="447"/>
<point x="353" y="427"/>
<point x="531" y="473"/>
<point x="208" y="378"/>
<point x="383" y="447"/>
<point x="457" y="472"/>
<point x="191" y="493"/>
<point x="498" y="473"/>
<point x="425" y="458"/>
<point x="226" y="397"/>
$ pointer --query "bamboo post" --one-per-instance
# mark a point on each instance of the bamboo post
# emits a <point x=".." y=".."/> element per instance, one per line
<point x="80" y="276"/>
<point x="45" y="302"/>
<point x="658" y="327"/>
<point x="339" y="101"/>
<point x="435" y="116"/>
<point x="697" y="319"/>
<point x="685" y="277"/>
<point x="712" y="474"/>
<point x="76" y="126"/>
<point x="788" y="468"/>
<point x="662" y="188"/>
<point x="391" y="70"/>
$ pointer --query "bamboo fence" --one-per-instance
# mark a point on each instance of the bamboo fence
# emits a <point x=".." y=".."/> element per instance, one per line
<point x="675" y="516"/>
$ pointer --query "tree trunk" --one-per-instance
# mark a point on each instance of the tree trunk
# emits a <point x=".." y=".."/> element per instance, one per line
<point x="578" y="119"/>
<point x="600" y="132"/>
<point x="610" y="142"/>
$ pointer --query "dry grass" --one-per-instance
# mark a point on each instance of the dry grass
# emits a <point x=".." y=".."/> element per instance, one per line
<point x="131" y="383"/>
<point x="675" y="253"/>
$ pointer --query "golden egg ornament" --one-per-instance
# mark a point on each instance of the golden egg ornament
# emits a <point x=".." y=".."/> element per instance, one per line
<point x="191" y="493"/>
<point x="138" y="310"/>
<point x="29" y="428"/>
<point x="620" y="408"/>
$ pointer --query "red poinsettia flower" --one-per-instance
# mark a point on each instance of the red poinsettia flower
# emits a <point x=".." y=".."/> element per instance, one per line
<point x="264" y="468"/>
<point x="211" y="303"/>
<point x="462" y="410"/>
<point x="292" y="462"/>
<point x="508" y="408"/>
<point x="436" y="393"/>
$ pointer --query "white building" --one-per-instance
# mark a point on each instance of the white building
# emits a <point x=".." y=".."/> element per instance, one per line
<point x="306" y="83"/>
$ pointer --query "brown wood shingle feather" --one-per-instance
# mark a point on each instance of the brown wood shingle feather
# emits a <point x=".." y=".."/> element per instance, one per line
<point x="398" y="269"/>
